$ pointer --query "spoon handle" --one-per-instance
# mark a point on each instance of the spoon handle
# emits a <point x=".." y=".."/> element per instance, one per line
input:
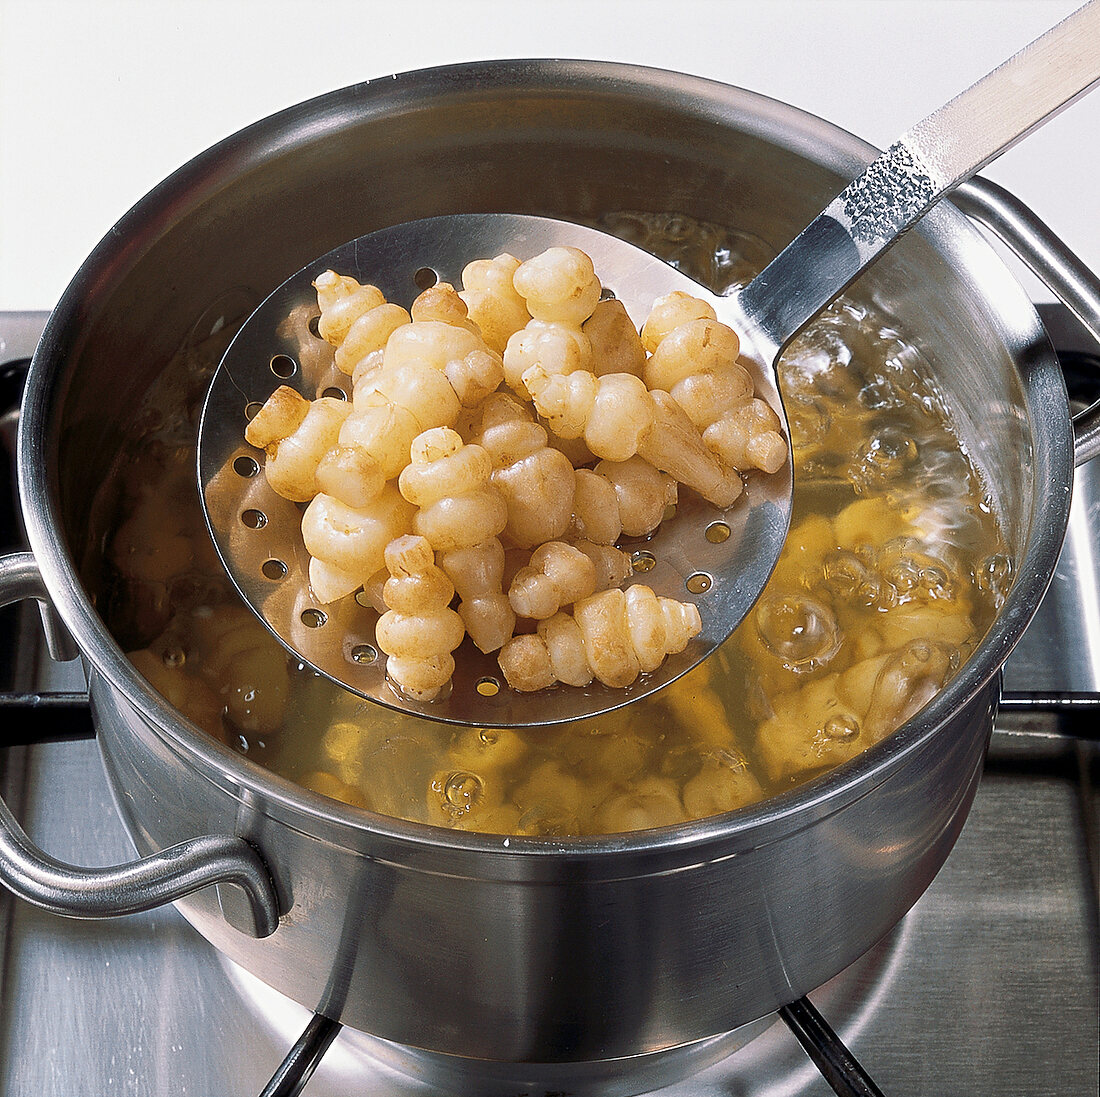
<point x="925" y="164"/>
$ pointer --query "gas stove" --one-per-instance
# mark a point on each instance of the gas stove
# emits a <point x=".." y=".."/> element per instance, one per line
<point x="988" y="986"/>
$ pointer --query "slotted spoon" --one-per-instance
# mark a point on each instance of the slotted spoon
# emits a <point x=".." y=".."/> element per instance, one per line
<point x="718" y="559"/>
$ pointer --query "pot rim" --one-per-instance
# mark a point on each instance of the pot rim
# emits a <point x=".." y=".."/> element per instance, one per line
<point x="312" y="120"/>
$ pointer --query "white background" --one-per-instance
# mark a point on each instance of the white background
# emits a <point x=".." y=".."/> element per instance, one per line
<point x="100" y="100"/>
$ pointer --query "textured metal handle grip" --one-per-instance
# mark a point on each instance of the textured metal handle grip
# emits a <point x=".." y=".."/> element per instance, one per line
<point x="138" y="885"/>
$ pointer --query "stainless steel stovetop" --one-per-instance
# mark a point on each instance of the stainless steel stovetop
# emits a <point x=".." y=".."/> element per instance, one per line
<point x="988" y="987"/>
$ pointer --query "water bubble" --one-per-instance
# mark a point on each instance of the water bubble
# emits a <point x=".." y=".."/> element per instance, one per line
<point x="839" y="729"/>
<point x="994" y="574"/>
<point x="884" y="459"/>
<point x="914" y="575"/>
<point x="945" y="474"/>
<point x="849" y="579"/>
<point x="936" y="583"/>
<point x="879" y="394"/>
<point x="850" y="312"/>
<point x="817" y="364"/>
<point x="799" y="630"/>
<point x="463" y="791"/>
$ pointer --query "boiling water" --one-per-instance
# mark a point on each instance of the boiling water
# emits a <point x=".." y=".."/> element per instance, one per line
<point x="891" y="574"/>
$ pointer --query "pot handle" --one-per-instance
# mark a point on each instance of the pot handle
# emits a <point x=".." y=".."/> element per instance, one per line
<point x="1062" y="272"/>
<point x="138" y="885"/>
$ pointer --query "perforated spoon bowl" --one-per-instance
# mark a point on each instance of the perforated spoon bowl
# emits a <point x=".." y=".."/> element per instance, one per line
<point x="718" y="559"/>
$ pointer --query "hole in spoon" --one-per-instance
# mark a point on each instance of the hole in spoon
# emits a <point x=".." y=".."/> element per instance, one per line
<point x="254" y="519"/>
<point x="313" y="618"/>
<point x="364" y="654"/>
<point x="488" y="687"/>
<point x="699" y="583"/>
<point x="274" y="569"/>
<point x="425" y="278"/>
<point x="282" y="365"/>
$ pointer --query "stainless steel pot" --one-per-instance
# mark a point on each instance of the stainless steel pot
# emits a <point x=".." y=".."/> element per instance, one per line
<point x="475" y="946"/>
